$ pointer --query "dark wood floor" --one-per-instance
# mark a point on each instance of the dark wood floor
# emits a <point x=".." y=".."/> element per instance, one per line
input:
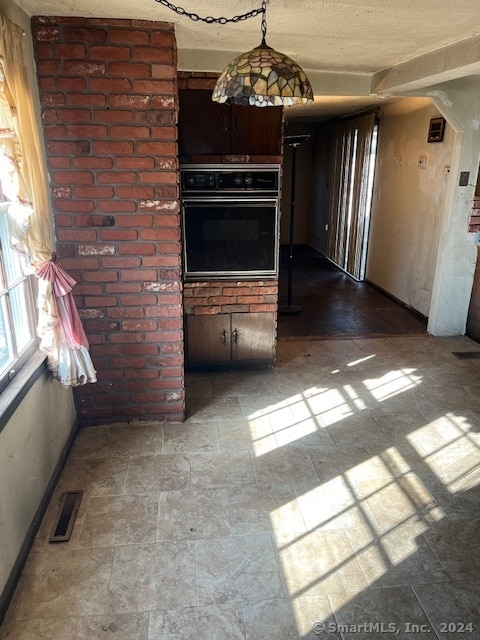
<point x="333" y="304"/>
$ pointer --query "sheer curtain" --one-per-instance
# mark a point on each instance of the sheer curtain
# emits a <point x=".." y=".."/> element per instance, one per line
<point x="24" y="184"/>
<point x="351" y="181"/>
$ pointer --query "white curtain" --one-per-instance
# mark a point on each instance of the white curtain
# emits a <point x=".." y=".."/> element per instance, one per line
<point x="24" y="184"/>
<point x="351" y="177"/>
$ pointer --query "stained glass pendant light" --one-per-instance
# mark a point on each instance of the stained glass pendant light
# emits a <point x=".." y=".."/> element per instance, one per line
<point x="263" y="77"/>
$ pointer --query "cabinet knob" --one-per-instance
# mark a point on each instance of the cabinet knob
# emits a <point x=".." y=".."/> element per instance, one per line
<point x="235" y="336"/>
<point x="224" y="124"/>
<point x="238" y="127"/>
<point x="224" y="336"/>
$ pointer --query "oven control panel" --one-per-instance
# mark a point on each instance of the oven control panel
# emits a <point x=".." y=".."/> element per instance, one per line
<point x="232" y="179"/>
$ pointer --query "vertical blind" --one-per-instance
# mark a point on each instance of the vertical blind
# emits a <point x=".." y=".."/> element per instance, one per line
<point x="351" y="182"/>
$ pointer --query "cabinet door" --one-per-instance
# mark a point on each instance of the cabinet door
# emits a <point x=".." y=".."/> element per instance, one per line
<point x="253" y="336"/>
<point x="208" y="339"/>
<point x="204" y="126"/>
<point x="256" y="130"/>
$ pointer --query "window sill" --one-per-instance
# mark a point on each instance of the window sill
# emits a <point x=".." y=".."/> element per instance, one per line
<point x="16" y="391"/>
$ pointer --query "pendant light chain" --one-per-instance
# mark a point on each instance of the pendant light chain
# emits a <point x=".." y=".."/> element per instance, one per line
<point x="210" y="20"/>
<point x="261" y="77"/>
<point x="264" y="21"/>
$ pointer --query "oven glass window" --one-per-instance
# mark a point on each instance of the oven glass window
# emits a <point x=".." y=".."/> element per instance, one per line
<point x="238" y="238"/>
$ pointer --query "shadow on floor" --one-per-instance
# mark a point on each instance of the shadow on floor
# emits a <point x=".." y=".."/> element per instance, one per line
<point x="334" y="304"/>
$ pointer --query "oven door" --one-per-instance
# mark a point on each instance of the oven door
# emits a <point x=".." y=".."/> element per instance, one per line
<point x="230" y="238"/>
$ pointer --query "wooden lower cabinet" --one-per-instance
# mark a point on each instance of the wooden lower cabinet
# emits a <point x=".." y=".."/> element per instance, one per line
<point x="229" y="340"/>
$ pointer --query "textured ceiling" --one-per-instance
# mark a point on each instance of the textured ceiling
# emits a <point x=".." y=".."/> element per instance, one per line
<point x="341" y="44"/>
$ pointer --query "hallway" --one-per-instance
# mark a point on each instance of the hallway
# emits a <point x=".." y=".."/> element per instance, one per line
<point x="334" y="304"/>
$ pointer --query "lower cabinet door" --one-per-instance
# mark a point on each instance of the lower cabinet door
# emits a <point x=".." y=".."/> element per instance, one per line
<point x="208" y="339"/>
<point x="253" y="336"/>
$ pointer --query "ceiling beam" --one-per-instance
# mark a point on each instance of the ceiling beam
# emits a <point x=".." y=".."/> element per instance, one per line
<point x="324" y="83"/>
<point x="442" y="65"/>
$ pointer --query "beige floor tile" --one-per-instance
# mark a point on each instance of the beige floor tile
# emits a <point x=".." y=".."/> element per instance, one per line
<point x="265" y="508"/>
<point x="320" y="562"/>
<point x="214" y="513"/>
<point x="64" y="582"/>
<point x="132" y="626"/>
<point x="313" y="403"/>
<point x="396" y="459"/>
<point x="209" y="470"/>
<point x="332" y="505"/>
<point x="400" y="557"/>
<point x="287" y="464"/>
<point x="397" y="608"/>
<point x="272" y="407"/>
<point x="151" y="474"/>
<point x="146" y="577"/>
<point x="345" y="479"/>
<point x="457" y="546"/>
<point x="41" y="629"/>
<point x="456" y="505"/>
<point x="198" y="385"/>
<point x="237" y="569"/>
<point x="214" y="622"/>
<point x="452" y="397"/>
<point x="357" y="428"/>
<point x="399" y="425"/>
<point x="349" y="460"/>
<point x="236" y="383"/>
<point x="211" y="409"/>
<point x="240" y="435"/>
<point x="457" y="462"/>
<point x="118" y="440"/>
<point x="413" y="503"/>
<point x="117" y="520"/>
<point x="308" y="432"/>
<point x="307" y="618"/>
<point x="181" y="438"/>
<point x="94" y="476"/>
<point x="192" y="515"/>
<point x="451" y="608"/>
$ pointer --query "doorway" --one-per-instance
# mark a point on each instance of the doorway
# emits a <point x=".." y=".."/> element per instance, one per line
<point x="335" y="304"/>
<point x="352" y="162"/>
<point x="334" y="300"/>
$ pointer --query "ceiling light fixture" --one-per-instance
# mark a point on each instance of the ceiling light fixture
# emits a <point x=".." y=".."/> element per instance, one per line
<point x="261" y="77"/>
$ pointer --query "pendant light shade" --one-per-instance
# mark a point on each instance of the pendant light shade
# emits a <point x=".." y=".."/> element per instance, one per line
<point x="263" y="77"/>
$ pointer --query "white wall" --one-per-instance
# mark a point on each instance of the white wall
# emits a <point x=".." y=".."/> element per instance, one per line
<point x="31" y="445"/>
<point x="408" y="202"/>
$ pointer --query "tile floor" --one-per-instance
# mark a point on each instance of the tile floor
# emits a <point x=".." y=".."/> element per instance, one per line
<point x="335" y="496"/>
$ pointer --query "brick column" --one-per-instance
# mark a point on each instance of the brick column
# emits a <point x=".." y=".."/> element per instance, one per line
<point x="109" y="108"/>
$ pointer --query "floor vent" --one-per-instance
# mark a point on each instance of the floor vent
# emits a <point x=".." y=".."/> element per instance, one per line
<point x="66" y="518"/>
<point x="467" y="355"/>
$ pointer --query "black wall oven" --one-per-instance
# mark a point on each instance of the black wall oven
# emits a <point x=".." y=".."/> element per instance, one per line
<point x="230" y="221"/>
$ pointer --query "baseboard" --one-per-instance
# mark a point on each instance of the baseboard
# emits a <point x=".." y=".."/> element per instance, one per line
<point x="413" y="311"/>
<point x="10" y="585"/>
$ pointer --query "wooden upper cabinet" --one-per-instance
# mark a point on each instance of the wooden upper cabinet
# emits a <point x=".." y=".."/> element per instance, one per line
<point x="204" y="126"/>
<point x="256" y="130"/>
<point x="209" y="128"/>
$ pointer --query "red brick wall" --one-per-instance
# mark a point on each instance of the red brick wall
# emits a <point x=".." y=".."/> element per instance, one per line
<point x="474" y="220"/>
<point x="230" y="297"/>
<point x="109" y="108"/>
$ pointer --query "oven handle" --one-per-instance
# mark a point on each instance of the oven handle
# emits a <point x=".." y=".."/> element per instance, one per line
<point x="217" y="199"/>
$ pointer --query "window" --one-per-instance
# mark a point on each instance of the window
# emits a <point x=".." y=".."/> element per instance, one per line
<point x="17" y="307"/>
<point x="25" y="222"/>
